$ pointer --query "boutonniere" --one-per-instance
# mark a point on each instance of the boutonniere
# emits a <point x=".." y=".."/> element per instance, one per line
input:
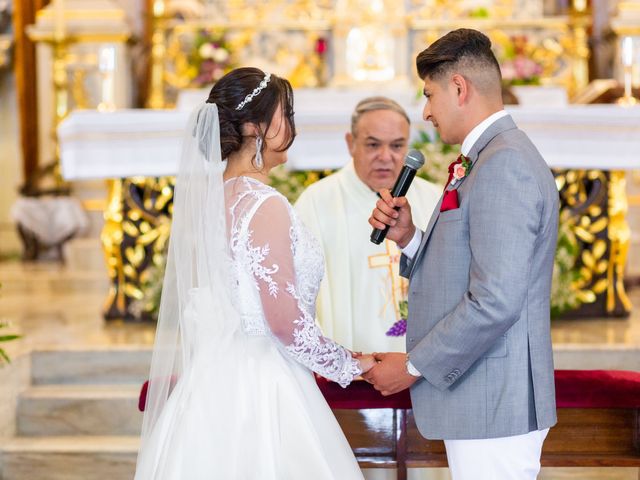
<point x="461" y="170"/>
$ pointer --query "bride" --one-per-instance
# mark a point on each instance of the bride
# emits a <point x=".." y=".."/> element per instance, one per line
<point x="232" y="394"/>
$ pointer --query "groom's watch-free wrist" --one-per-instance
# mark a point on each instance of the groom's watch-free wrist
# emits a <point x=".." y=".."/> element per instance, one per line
<point x="411" y="370"/>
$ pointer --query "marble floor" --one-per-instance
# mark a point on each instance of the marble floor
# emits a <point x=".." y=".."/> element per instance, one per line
<point x="60" y="307"/>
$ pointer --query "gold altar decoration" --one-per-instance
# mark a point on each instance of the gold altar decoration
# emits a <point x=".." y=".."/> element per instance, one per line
<point x="285" y="37"/>
<point x="135" y="237"/>
<point x="620" y="237"/>
<point x="281" y="35"/>
<point x="593" y="209"/>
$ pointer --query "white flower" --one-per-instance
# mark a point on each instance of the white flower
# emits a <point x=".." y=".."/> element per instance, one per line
<point x="206" y="50"/>
<point x="220" y="55"/>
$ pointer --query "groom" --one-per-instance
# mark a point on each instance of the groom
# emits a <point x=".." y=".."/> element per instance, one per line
<point x="480" y="364"/>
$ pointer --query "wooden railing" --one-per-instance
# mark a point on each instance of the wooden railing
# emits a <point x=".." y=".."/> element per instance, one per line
<point x="599" y="427"/>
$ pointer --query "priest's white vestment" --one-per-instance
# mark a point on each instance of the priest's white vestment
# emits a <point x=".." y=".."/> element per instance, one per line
<point x="360" y="294"/>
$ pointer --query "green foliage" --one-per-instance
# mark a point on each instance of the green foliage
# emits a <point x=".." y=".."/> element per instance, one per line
<point x="292" y="183"/>
<point x="4" y="358"/>
<point x="565" y="273"/>
<point x="438" y="157"/>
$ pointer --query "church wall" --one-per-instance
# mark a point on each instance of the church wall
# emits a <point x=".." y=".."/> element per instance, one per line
<point x="10" y="172"/>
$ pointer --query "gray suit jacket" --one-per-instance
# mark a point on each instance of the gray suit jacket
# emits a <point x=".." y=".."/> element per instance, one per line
<point x="478" y="326"/>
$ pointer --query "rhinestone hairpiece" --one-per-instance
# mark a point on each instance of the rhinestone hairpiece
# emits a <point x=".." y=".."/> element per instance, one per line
<point x="256" y="91"/>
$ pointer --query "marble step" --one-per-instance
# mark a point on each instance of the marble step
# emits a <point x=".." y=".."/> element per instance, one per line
<point x="53" y="279"/>
<point x="569" y="356"/>
<point x="94" y="365"/>
<point x="68" y="458"/>
<point x="59" y="410"/>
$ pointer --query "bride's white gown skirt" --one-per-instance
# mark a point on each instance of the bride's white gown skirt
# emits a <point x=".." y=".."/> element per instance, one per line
<point x="245" y="411"/>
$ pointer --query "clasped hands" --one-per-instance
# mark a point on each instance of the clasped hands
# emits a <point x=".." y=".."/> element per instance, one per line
<point x="387" y="372"/>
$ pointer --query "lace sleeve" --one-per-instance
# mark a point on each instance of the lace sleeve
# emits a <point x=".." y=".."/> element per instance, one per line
<point x="291" y="318"/>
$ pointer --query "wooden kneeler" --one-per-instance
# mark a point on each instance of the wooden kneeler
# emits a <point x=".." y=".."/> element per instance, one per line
<point x="598" y="424"/>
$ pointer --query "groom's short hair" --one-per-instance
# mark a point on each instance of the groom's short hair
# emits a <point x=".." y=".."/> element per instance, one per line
<point x="464" y="51"/>
<point x="372" y="104"/>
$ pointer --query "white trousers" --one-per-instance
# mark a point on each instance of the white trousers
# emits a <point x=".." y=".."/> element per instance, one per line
<point x="506" y="458"/>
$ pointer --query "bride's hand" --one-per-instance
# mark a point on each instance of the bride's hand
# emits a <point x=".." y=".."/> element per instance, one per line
<point x="366" y="361"/>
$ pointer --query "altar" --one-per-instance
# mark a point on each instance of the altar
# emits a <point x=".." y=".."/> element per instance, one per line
<point x="589" y="147"/>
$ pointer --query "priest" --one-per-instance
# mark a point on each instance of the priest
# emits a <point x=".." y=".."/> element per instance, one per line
<point x="362" y="300"/>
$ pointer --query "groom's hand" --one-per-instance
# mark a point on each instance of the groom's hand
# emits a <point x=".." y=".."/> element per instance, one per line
<point x="390" y="374"/>
<point x="395" y="212"/>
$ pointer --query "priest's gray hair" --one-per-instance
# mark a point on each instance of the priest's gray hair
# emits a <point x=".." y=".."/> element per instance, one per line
<point x="371" y="104"/>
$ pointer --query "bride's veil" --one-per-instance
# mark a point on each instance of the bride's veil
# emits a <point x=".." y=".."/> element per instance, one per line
<point x="195" y="308"/>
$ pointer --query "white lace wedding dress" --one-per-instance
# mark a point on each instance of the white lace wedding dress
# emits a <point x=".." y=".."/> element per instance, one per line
<point x="249" y="408"/>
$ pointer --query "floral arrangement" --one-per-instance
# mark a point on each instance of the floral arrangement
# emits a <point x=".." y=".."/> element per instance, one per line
<point x="292" y="183"/>
<point x="209" y="59"/>
<point x="440" y="156"/>
<point x="399" y="328"/>
<point x="148" y="307"/>
<point x="517" y="64"/>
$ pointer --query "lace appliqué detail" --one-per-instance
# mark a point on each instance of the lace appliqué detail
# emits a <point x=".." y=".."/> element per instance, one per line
<point x="318" y="353"/>
<point x="254" y="258"/>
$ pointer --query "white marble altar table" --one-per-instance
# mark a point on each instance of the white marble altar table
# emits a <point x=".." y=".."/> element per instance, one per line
<point x="128" y="143"/>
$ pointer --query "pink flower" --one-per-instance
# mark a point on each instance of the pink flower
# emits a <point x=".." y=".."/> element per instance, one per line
<point x="508" y="71"/>
<point x="459" y="171"/>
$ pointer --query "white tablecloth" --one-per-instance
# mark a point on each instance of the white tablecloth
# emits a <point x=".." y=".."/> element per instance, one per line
<point x="128" y="143"/>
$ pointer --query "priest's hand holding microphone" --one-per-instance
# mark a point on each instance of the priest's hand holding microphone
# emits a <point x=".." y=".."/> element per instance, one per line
<point x="392" y="219"/>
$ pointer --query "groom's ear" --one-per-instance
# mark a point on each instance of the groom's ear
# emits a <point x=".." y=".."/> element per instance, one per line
<point x="350" y="142"/>
<point x="461" y="86"/>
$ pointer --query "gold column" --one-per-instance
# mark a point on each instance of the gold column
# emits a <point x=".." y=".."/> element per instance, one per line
<point x="580" y="20"/>
<point x="619" y="235"/>
<point x="111" y="237"/>
<point x="156" y="97"/>
<point x="59" y="48"/>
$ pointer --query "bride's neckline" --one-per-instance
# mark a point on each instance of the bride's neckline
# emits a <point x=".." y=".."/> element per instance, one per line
<point x="245" y="177"/>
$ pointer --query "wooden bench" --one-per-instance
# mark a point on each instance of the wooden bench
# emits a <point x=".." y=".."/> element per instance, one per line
<point x="598" y="424"/>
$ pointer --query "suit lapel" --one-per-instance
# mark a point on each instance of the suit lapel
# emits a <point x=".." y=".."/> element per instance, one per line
<point x="501" y="125"/>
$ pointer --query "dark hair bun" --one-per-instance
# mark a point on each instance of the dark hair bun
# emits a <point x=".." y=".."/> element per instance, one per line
<point x="230" y="132"/>
<point x="232" y="89"/>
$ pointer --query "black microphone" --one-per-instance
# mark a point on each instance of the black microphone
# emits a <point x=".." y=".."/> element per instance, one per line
<point x="412" y="163"/>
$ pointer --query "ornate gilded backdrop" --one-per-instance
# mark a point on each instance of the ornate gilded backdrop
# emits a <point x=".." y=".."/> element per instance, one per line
<point x="136" y="234"/>
<point x="592" y="245"/>
<point x="346" y="42"/>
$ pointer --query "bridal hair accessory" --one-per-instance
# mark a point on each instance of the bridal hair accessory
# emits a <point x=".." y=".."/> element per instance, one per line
<point x="256" y="91"/>
<point x="259" y="162"/>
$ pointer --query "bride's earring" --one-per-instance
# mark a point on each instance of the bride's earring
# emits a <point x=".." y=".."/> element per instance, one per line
<point x="259" y="162"/>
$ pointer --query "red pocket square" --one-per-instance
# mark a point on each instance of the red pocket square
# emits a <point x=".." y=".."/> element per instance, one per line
<point x="449" y="201"/>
